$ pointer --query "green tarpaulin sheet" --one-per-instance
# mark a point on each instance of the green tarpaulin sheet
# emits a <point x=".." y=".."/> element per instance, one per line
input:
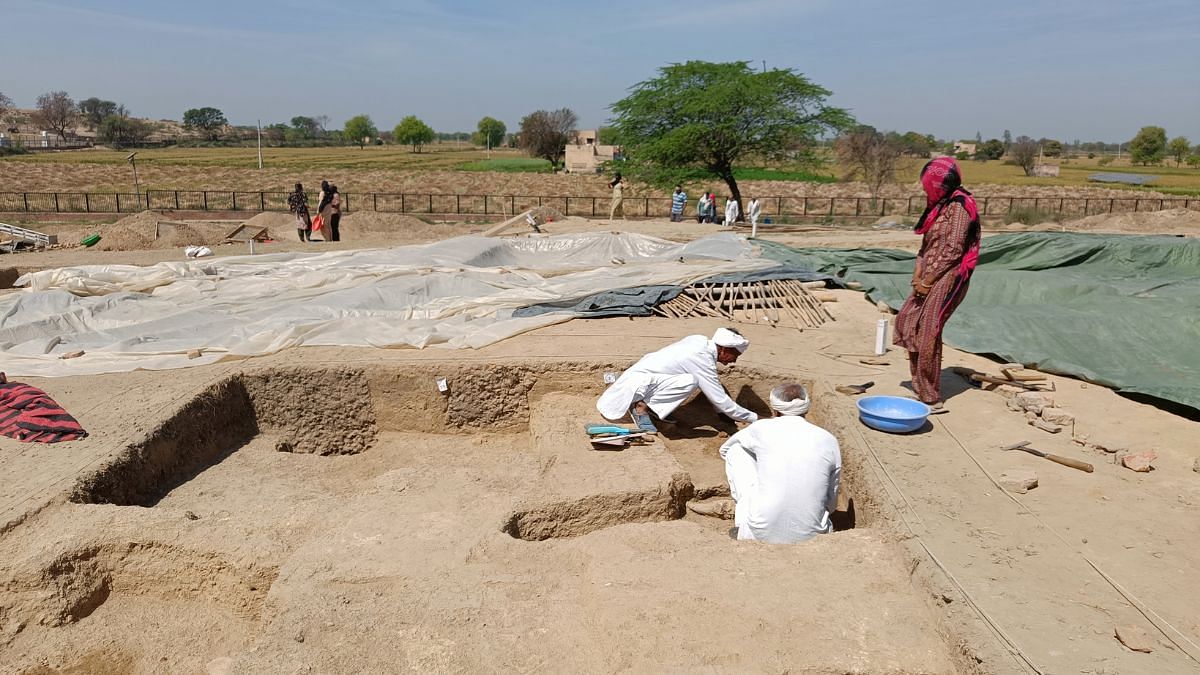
<point x="1122" y="311"/>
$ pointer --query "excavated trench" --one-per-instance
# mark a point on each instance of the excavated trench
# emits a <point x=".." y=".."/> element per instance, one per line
<point x="207" y="507"/>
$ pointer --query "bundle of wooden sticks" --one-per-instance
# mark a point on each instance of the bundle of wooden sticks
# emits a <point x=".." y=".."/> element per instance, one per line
<point x="775" y="302"/>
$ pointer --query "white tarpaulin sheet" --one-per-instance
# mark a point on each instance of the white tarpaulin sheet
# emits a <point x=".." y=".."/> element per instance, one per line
<point x="457" y="293"/>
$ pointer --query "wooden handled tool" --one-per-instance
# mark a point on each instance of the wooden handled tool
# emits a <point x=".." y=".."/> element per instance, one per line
<point x="1059" y="459"/>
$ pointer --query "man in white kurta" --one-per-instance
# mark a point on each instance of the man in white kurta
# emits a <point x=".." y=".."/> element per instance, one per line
<point x="731" y="212"/>
<point x="753" y="211"/>
<point x="783" y="473"/>
<point x="664" y="379"/>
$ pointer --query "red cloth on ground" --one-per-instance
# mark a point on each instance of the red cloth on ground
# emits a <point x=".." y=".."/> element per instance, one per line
<point x="29" y="414"/>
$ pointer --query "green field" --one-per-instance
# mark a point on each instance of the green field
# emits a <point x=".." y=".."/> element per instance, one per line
<point x="509" y="165"/>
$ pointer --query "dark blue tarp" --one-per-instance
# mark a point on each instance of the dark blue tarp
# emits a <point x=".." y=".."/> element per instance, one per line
<point x="638" y="300"/>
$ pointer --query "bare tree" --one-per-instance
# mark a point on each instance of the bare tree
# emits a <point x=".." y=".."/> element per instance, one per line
<point x="869" y="155"/>
<point x="546" y="134"/>
<point x="55" y="111"/>
<point x="1024" y="153"/>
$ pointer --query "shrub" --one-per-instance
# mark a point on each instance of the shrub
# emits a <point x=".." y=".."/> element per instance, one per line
<point x="1105" y="161"/>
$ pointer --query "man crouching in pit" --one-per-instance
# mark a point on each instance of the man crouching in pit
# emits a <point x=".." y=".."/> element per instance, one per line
<point x="783" y="473"/>
<point x="660" y="381"/>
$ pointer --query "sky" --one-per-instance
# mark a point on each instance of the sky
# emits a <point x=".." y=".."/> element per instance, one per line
<point x="1065" y="69"/>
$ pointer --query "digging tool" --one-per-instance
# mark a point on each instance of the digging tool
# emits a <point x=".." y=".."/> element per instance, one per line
<point x="854" y="389"/>
<point x="1058" y="459"/>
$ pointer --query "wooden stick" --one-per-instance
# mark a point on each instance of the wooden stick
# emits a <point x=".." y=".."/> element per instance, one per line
<point x="804" y="312"/>
<point x="787" y="308"/>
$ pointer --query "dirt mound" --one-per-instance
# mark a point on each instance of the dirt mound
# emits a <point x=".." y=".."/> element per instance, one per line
<point x="276" y="223"/>
<point x="546" y="214"/>
<point x="1154" y="222"/>
<point x="149" y="230"/>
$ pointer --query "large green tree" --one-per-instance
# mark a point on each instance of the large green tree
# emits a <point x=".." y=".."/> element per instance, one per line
<point x="208" y="120"/>
<point x="359" y="129"/>
<point x="701" y="119"/>
<point x="94" y="110"/>
<point x="1149" y="146"/>
<point x="121" y="130"/>
<point x="1179" y="147"/>
<point x="489" y="132"/>
<point x="414" y="132"/>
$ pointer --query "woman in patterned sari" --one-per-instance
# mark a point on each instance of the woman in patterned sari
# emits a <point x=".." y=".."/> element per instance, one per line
<point x="949" y="251"/>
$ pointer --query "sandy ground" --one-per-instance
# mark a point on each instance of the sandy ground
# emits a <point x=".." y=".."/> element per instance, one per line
<point x="402" y="556"/>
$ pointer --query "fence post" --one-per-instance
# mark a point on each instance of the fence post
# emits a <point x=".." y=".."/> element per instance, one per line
<point x="805" y="207"/>
<point x="235" y="200"/>
<point x="984" y="204"/>
<point x="593" y="207"/>
<point x="87" y="202"/>
<point x="512" y="204"/>
<point x="56" y="202"/>
<point x="485" y="205"/>
<point x="1086" y="204"/>
<point x="25" y="195"/>
<point x="205" y="203"/>
<point x="778" y="207"/>
<point x="1110" y="204"/>
<point x="118" y="203"/>
<point x="458" y="204"/>
<point x="375" y="200"/>
<point x="431" y="202"/>
<point x="857" y="206"/>
<point x="177" y="200"/>
<point x="347" y="204"/>
<point x="262" y="200"/>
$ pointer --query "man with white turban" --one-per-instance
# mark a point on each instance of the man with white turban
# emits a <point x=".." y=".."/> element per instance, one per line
<point x="662" y="380"/>
<point x="783" y="473"/>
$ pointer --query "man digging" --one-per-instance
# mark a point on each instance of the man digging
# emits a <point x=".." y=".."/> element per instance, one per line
<point x="658" y="383"/>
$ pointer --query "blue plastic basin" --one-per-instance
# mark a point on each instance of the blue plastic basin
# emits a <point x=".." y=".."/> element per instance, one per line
<point x="893" y="414"/>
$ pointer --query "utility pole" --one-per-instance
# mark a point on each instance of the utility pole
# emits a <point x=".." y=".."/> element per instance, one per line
<point x="132" y="160"/>
<point x="259" y="123"/>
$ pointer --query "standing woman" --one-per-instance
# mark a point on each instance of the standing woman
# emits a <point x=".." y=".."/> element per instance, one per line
<point x="324" y="210"/>
<point x="618" y="187"/>
<point x="949" y="251"/>
<point x="335" y="213"/>
<point x="298" y="206"/>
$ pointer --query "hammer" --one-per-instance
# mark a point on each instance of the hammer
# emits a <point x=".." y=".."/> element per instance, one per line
<point x="1065" y="461"/>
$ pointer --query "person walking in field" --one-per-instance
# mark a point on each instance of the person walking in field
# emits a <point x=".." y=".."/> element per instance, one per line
<point x="703" y="207"/>
<point x="678" y="202"/>
<point x="618" y="187"/>
<point x="298" y="206"/>
<point x="731" y="211"/>
<point x="950" y="234"/>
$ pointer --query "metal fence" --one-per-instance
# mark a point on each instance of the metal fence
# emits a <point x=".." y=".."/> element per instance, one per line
<point x="500" y="205"/>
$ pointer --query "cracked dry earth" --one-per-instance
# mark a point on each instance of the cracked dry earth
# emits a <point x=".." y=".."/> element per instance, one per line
<point x="443" y="537"/>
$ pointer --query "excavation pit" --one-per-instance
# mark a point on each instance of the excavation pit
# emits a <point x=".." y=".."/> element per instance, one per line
<point x="475" y="525"/>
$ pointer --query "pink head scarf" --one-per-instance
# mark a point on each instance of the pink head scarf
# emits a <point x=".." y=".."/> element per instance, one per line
<point x="942" y="183"/>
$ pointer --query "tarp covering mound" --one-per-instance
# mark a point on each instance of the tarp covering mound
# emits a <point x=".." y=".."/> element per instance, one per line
<point x="458" y="293"/>
<point x="1122" y="311"/>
